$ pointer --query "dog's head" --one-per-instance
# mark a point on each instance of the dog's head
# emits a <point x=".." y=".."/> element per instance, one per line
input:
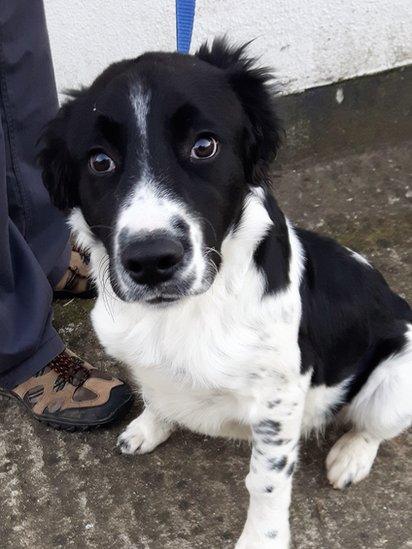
<point x="158" y="154"/>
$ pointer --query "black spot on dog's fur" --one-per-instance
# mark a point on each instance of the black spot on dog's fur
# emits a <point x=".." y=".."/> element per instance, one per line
<point x="271" y="534"/>
<point x="269" y="489"/>
<point x="268" y="427"/>
<point x="277" y="463"/>
<point x="291" y="468"/>
<point x="275" y="441"/>
<point x="258" y="450"/>
<point x="347" y="483"/>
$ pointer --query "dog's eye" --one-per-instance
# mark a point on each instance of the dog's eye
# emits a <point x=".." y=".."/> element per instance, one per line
<point x="205" y="147"/>
<point x="101" y="164"/>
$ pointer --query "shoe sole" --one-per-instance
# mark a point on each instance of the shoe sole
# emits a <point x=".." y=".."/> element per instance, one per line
<point x="72" y="426"/>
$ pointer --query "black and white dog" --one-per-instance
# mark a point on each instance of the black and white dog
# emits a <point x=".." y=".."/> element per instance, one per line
<point x="233" y="322"/>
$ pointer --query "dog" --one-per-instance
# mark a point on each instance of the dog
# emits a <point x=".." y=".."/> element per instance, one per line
<point x="232" y="321"/>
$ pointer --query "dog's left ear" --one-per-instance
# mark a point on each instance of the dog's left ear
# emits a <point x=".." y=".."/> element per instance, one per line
<point x="58" y="168"/>
<point x="251" y="85"/>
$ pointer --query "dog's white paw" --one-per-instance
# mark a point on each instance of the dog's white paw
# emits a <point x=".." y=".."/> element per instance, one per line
<point x="351" y="459"/>
<point x="143" y="434"/>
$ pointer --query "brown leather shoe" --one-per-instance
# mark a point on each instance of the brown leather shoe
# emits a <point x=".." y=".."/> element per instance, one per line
<point x="75" y="281"/>
<point x="70" y="394"/>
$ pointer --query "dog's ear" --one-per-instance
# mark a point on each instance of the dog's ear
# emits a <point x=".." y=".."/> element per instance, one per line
<point x="252" y="85"/>
<point x="58" y="168"/>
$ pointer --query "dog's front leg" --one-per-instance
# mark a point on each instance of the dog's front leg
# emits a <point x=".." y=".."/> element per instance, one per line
<point x="275" y="437"/>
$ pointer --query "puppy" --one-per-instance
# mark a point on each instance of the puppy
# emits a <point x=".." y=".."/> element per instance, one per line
<point x="233" y="322"/>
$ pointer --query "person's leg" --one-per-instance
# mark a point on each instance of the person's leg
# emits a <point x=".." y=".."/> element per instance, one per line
<point x="28" y="341"/>
<point x="34" y="240"/>
<point x="53" y="384"/>
<point x="29" y="101"/>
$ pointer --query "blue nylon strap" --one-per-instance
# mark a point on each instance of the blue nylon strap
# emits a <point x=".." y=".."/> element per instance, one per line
<point x="185" y="14"/>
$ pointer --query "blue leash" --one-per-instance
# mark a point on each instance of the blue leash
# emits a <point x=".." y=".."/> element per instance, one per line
<point x="185" y="15"/>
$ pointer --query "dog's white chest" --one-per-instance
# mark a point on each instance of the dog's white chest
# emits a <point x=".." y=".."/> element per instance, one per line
<point x="197" y="361"/>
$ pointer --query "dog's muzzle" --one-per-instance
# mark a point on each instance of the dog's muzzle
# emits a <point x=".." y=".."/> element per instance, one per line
<point x="153" y="266"/>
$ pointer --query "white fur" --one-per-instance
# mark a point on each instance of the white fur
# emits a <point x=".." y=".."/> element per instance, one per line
<point x="381" y="410"/>
<point x="140" y="100"/>
<point x="84" y="236"/>
<point x="321" y="402"/>
<point x="215" y="340"/>
<point x="383" y="407"/>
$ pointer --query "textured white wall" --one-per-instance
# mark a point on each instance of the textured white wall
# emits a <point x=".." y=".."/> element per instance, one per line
<point x="309" y="42"/>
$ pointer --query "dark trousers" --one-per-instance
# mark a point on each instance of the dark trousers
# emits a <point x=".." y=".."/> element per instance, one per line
<point x="34" y="239"/>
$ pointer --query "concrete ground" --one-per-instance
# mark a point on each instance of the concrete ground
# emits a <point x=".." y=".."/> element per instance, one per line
<point x="74" y="490"/>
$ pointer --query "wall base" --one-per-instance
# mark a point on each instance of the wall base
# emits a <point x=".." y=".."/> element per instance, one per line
<point x="347" y="116"/>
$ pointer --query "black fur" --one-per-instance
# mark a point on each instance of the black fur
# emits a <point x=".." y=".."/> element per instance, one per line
<point x="251" y="85"/>
<point x="351" y="319"/>
<point x="274" y="245"/>
<point x="59" y="171"/>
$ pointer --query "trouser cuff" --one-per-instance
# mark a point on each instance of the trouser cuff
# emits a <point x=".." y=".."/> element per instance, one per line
<point x="34" y="364"/>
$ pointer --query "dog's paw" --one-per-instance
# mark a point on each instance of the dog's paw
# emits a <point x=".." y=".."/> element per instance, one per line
<point x="351" y="459"/>
<point x="143" y="435"/>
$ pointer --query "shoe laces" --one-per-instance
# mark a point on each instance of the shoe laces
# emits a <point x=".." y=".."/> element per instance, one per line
<point x="71" y="370"/>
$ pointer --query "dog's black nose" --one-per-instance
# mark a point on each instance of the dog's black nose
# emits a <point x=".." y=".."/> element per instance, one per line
<point x="153" y="259"/>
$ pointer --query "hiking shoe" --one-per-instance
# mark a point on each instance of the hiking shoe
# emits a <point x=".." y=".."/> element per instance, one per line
<point x="70" y="394"/>
<point x="76" y="281"/>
